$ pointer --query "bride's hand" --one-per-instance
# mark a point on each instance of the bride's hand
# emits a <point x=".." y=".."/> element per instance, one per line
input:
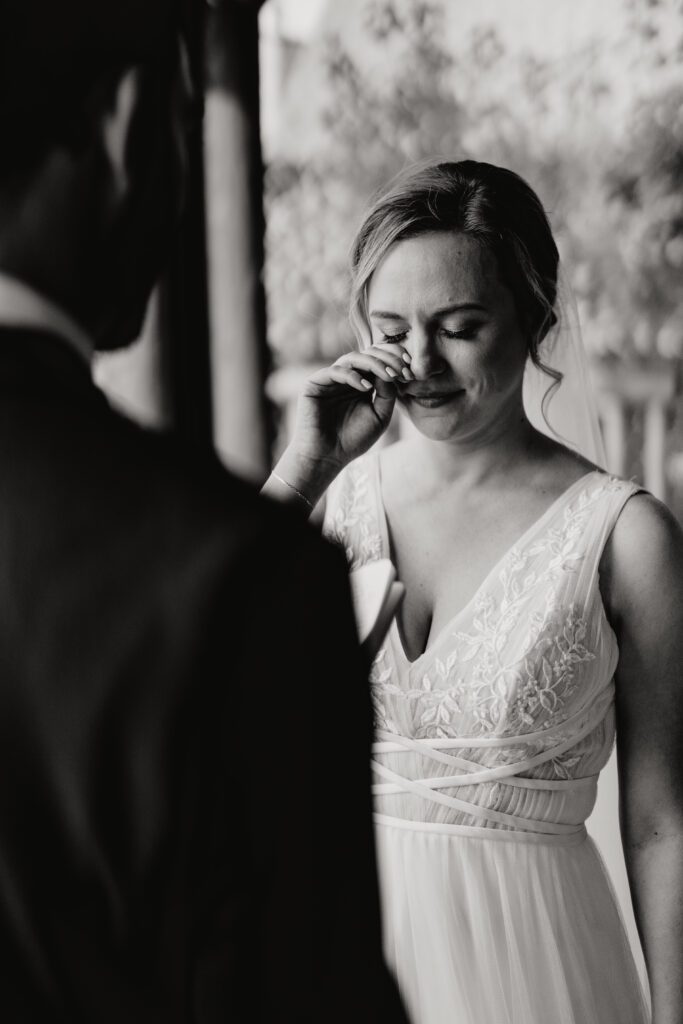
<point x="344" y="408"/>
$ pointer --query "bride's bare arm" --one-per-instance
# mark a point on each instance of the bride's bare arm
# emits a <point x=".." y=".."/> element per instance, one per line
<point x="645" y="573"/>
<point x="299" y="481"/>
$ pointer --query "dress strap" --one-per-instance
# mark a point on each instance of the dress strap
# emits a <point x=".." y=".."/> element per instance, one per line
<point x="615" y="495"/>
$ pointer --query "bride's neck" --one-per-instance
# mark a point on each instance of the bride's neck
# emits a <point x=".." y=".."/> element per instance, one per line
<point x="476" y="459"/>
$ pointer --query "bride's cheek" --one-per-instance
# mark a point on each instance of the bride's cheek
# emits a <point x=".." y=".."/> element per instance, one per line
<point x="491" y="365"/>
<point x="484" y="381"/>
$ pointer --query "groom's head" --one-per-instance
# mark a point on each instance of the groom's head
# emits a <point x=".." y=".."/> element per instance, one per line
<point x="93" y="111"/>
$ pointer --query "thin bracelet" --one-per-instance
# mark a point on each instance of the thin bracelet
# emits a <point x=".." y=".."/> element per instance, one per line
<point x="293" y="488"/>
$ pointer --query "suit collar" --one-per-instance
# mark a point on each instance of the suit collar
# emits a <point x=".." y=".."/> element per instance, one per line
<point x="23" y="307"/>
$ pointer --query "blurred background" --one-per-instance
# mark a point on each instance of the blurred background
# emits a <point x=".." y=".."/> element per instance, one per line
<point x="583" y="99"/>
<point x="313" y="104"/>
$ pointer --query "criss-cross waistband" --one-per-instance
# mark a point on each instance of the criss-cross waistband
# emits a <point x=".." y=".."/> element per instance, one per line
<point x="557" y="741"/>
<point x="406" y="825"/>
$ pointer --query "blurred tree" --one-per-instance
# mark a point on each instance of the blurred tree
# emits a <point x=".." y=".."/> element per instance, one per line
<point x="607" y="162"/>
<point x="643" y="182"/>
<point x="372" y="127"/>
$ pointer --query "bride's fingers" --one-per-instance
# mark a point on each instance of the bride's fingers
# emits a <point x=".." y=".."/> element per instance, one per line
<point x="385" y="400"/>
<point x="367" y="363"/>
<point x="397" y="354"/>
<point x="337" y="374"/>
<point x="386" y="366"/>
<point x="392" y="348"/>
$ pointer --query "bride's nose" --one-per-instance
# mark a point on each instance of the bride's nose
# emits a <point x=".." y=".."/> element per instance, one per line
<point x="425" y="360"/>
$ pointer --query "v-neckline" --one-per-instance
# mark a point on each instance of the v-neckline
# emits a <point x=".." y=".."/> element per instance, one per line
<point x="521" y="540"/>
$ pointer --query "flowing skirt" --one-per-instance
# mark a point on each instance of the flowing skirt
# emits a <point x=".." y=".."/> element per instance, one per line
<point x="500" y="930"/>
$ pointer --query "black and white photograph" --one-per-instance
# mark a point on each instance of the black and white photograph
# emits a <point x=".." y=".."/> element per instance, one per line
<point x="341" y="512"/>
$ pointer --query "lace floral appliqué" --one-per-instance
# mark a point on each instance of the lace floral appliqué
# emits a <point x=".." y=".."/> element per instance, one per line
<point x="352" y="523"/>
<point x="512" y="670"/>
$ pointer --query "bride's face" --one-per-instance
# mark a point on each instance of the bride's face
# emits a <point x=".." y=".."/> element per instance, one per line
<point x="441" y="296"/>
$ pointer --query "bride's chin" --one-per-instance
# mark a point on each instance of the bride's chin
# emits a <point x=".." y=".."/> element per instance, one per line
<point x="432" y="412"/>
<point x="436" y="428"/>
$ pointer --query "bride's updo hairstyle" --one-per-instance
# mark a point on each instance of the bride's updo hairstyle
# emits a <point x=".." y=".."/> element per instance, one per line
<point x="489" y="203"/>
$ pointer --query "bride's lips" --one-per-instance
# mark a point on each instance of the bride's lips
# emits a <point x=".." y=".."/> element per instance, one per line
<point x="433" y="399"/>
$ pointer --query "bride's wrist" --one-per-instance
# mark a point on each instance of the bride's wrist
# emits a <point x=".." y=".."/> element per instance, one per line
<point x="304" y="477"/>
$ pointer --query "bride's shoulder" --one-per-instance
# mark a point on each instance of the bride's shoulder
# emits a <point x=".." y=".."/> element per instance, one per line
<point x="355" y="474"/>
<point x="348" y="497"/>
<point x="645" y="523"/>
<point x="351" y="515"/>
<point x="643" y="558"/>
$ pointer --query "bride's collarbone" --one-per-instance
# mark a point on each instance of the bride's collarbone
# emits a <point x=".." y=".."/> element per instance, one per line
<point x="450" y="523"/>
<point x="444" y="555"/>
<point x="446" y="543"/>
<point x="432" y="543"/>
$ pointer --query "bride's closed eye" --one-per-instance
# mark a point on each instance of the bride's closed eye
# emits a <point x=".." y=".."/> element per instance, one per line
<point x="467" y="331"/>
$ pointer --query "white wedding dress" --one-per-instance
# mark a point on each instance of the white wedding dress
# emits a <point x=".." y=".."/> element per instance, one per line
<point x="497" y="908"/>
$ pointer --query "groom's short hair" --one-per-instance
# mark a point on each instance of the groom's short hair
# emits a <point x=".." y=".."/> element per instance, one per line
<point x="55" y="53"/>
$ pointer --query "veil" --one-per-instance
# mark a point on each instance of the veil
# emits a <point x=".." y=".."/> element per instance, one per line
<point x="567" y="411"/>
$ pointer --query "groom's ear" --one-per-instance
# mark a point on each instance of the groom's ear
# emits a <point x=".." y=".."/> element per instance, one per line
<point x="116" y="126"/>
<point x="140" y="130"/>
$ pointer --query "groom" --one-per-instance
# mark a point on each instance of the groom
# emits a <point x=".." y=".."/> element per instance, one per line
<point x="184" y="724"/>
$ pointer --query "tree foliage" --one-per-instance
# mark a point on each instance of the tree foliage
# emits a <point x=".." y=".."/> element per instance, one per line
<point x="609" y="171"/>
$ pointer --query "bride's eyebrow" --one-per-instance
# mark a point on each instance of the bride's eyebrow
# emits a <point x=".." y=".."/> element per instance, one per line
<point x="460" y="307"/>
<point x="378" y="314"/>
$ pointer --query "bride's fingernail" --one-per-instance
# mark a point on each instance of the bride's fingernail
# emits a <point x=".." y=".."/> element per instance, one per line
<point x="406" y="357"/>
<point x="366" y="383"/>
<point x="407" y="374"/>
<point x="390" y="372"/>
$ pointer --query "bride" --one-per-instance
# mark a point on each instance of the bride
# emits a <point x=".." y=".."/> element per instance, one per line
<point x="544" y="605"/>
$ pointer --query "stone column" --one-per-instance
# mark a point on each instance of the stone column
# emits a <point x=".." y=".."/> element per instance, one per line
<point x="234" y="205"/>
<point x="654" y="447"/>
<point x="613" y="420"/>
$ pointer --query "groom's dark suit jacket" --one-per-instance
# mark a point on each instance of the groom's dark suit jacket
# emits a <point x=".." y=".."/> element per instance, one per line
<point x="184" y="732"/>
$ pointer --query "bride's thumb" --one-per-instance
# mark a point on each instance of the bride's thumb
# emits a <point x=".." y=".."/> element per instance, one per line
<point x="385" y="400"/>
